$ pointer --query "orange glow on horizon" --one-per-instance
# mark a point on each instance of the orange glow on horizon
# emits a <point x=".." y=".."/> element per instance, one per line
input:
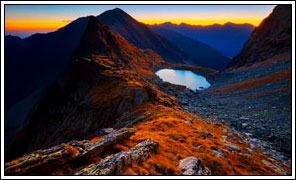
<point x="51" y="25"/>
<point x="27" y="25"/>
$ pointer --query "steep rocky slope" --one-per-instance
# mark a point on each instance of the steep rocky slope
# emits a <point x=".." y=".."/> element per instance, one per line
<point x="103" y="64"/>
<point x="273" y="36"/>
<point x="110" y="83"/>
<point x="141" y="36"/>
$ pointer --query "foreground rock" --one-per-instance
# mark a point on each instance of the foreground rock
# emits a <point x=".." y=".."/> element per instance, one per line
<point x="193" y="166"/>
<point x="117" y="163"/>
<point x="45" y="161"/>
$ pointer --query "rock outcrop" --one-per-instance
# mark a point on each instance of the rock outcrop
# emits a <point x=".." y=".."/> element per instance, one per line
<point x="117" y="163"/>
<point x="58" y="157"/>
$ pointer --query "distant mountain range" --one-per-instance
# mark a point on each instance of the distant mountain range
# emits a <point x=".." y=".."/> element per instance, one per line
<point x="206" y="55"/>
<point x="228" y="38"/>
<point x="191" y="51"/>
<point x="171" y="46"/>
<point x="272" y="37"/>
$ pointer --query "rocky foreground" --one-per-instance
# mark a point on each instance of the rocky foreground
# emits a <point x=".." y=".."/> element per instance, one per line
<point x="74" y="152"/>
<point x="94" y="157"/>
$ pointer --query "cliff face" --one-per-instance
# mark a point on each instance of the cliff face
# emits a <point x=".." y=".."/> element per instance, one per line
<point x="273" y="36"/>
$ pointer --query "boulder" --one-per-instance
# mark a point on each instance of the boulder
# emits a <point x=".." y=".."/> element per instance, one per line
<point x="193" y="166"/>
<point x="244" y="125"/>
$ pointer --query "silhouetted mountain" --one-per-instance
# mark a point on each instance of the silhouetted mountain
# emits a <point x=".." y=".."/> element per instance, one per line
<point x="142" y="36"/>
<point x="228" y="38"/>
<point x="206" y="55"/>
<point x="33" y="62"/>
<point x="273" y="36"/>
<point x="11" y="41"/>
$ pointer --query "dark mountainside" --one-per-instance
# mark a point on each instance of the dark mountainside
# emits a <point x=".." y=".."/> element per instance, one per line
<point x="141" y="36"/>
<point x="31" y="64"/>
<point x="107" y="113"/>
<point x="206" y="55"/>
<point x="228" y="38"/>
<point x="273" y="36"/>
<point x="39" y="58"/>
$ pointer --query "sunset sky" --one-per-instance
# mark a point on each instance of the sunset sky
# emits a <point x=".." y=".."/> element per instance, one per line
<point x="31" y="18"/>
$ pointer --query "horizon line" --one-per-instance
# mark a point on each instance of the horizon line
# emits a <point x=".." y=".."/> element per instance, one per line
<point x="147" y="24"/>
<point x="178" y="24"/>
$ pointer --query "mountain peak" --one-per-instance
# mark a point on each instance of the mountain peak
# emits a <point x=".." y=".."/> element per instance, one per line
<point x="97" y="39"/>
<point x="118" y="10"/>
<point x="113" y="14"/>
<point x="141" y="35"/>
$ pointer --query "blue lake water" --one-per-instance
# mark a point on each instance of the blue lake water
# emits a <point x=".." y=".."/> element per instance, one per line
<point x="185" y="78"/>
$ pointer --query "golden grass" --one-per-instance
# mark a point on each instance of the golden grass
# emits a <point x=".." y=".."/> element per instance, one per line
<point x="179" y="135"/>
